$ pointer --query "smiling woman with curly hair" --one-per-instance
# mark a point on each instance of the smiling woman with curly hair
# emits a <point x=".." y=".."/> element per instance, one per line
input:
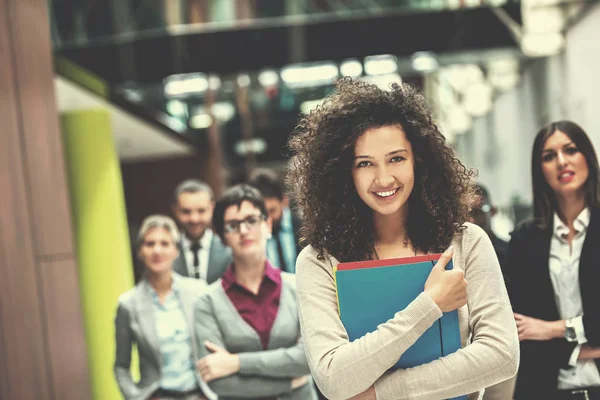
<point x="375" y="179"/>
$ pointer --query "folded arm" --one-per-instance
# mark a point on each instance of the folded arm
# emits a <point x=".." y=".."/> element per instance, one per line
<point x="236" y="385"/>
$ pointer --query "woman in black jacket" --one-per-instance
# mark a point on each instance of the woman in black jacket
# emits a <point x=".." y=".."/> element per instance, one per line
<point x="553" y="269"/>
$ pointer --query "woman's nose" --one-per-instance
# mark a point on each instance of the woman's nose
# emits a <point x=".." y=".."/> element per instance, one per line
<point x="561" y="159"/>
<point x="243" y="228"/>
<point x="384" y="178"/>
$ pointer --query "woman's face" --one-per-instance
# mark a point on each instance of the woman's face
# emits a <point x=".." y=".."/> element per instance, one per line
<point x="158" y="251"/>
<point x="563" y="165"/>
<point x="383" y="169"/>
<point x="246" y="230"/>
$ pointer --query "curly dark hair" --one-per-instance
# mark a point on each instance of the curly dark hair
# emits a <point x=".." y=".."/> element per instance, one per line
<point x="336" y="220"/>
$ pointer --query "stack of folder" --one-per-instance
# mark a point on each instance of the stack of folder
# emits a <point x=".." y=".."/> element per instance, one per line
<point x="370" y="293"/>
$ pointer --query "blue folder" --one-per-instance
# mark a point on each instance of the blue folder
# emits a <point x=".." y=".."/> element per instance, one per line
<point x="372" y="292"/>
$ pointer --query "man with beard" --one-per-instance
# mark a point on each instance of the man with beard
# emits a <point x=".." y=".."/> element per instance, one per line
<point x="201" y="253"/>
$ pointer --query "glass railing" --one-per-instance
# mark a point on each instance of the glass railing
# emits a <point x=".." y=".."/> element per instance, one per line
<point x="77" y="23"/>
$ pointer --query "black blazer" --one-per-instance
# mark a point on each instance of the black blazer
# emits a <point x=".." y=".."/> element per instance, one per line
<point x="531" y="293"/>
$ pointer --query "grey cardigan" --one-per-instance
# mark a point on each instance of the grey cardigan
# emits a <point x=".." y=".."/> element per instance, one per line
<point x="135" y="323"/>
<point x="263" y="373"/>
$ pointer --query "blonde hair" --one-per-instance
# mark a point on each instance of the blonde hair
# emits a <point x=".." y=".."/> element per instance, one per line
<point x="158" y="221"/>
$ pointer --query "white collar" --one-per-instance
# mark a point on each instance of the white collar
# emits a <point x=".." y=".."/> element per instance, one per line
<point x="580" y="224"/>
<point x="205" y="240"/>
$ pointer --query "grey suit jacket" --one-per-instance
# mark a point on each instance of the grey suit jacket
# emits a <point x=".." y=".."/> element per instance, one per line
<point x="263" y="373"/>
<point x="219" y="259"/>
<point x="135" y="323"/>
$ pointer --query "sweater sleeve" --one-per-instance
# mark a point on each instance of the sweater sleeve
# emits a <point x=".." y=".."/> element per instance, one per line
<point x="492" y="356"/>
<point x="342" y="368"/>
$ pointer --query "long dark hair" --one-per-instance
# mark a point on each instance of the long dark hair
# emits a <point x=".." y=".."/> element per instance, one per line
<point x="544" y="198"/>
<point x="336" y="220"/>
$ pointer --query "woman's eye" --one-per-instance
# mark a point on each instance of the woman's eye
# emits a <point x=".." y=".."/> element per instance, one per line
<point x="571" y="150"/>
<point x="548" y="157"/>
<point x="363" y="164"/>
<point x="397" y="159"/>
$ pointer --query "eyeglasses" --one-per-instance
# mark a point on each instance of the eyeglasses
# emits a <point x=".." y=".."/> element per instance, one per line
<point x="250" y="221"/>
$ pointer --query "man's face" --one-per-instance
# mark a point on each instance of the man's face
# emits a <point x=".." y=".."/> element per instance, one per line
<point x="275" y="208"/>
<point x="194" y="212"/>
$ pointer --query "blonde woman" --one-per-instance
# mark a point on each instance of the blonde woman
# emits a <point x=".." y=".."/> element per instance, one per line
<point x="156" y="315"/>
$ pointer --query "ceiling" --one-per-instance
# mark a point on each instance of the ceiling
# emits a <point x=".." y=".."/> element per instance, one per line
<point x="148" y="58"/>
<point x="134" y="63"/>
<point x="135" y="138"/>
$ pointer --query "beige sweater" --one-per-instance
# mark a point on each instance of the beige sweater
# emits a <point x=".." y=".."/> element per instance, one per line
<point x="342" y="369"/>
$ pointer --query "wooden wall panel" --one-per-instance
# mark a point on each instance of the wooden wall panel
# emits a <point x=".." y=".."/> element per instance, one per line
<point x="42" y="142"/>
<point x="41" y="333"/>
<point x="60" y="289"/>
<point x="23" y="350"/>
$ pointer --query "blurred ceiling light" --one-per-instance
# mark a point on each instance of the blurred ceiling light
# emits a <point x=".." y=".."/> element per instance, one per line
<point x="503" y="73"/>
<point x="254" y="145"/>
<point x="268" y="78"/>
<point x="243" y="80"/>
<point x="177" y="85"/>
<point x="460" y="76"/>
<point x="223" y="111"/>
<point x="133" y="95"/>
<point x="446" y="96"/>
<point x="174" y="123"/>
<point x="503" y="65"/>
<point x="459" y="120"/>
<point x="380" y="65"/>
<point x="296" y="76"/>
<point x="543" y="19"/>
<point x="504" y="82"/>
<point x="542" y="45"/>
<point x="214" y="82"/>
<point x="307" y="106"/>
<point x="383" y="81"/>
<point x="177" y="108"/>
<point x="201" y="121"/>
<point x="478" y="99"/>
<point x="424" y="61"/>
<point x="351" y="68"/>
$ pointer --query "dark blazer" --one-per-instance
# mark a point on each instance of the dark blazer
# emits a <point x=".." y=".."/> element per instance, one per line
<point x="531" y="293"/>
<point x="219" y="259"/>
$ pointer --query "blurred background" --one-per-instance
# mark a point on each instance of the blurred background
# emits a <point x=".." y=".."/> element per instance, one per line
<point x="108" y="105"/>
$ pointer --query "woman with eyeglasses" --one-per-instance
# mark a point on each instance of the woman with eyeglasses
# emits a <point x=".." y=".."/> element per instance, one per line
<point x="553" y="269"/>
<point x="247" y="328"/>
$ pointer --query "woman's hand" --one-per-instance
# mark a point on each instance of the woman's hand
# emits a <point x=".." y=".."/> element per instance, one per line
<point x="448" y="289"/>
<point x="530" y="328"/>
<point x="219" y="364"/>
<point x="589" y="353"/>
